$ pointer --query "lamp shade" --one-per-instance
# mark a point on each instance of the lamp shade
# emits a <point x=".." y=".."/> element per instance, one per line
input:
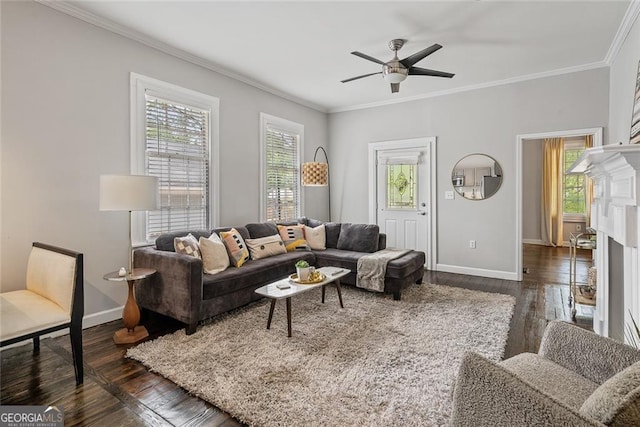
<point x="315" y="174"/>
<point x="128" y="193"/>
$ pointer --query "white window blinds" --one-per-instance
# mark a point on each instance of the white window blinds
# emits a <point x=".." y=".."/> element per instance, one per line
<point x="177" y="152"/>
<point x="282" y="169"/>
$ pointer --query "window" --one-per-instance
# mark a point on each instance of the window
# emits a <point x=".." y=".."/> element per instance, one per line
<point x="574" y="206"/>
<point x="281" y="144"/>
<point x="174" y="137"/>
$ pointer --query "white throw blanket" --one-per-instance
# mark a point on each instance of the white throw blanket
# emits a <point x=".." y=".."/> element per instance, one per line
<point x="372" y="268"/>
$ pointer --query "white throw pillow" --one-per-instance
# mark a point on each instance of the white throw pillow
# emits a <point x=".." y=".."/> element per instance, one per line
<point x="266" y="246"/>
<point x="214" y="254"/>
<point x="316" y="237"/>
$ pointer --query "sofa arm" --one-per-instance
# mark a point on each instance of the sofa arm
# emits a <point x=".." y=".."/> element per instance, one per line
<point x="586" y="353"/>
<point x="486" y="394"/>
<point x="382" y="241"/>
<point x="176" y="289"/>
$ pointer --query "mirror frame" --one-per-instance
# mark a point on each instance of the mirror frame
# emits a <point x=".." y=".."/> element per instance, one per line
<point x="456" y="177"/>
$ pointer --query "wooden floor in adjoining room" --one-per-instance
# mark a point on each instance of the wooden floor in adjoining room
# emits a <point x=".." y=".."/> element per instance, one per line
<point x="119" y="391"/>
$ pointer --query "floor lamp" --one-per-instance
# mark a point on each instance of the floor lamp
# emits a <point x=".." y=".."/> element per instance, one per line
<point x="128" y="193"/>
<point x="316" y="174"/>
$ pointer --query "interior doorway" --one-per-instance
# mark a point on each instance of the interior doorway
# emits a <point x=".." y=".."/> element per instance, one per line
<point x="402" y="185"/>
<point x="522" y="192"/>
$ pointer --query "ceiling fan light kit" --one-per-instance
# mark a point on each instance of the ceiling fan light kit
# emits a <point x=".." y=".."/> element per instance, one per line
<point x="396" y="71"/>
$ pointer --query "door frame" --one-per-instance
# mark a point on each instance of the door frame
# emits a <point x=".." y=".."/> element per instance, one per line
<point x="424" y="143"/>
<point x="521" y="139"/>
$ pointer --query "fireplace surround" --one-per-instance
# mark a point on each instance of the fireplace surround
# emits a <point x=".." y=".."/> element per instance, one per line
<point x="615" y="215"/>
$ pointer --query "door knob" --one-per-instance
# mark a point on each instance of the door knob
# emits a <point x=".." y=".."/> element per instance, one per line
<point x="422" y="213"/>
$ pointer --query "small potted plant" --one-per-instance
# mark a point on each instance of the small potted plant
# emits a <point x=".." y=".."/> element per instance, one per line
<point x="303" y="269"/>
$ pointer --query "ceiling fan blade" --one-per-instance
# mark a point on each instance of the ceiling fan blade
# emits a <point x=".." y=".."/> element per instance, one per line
<point x="417" y="71"/>
<point x="359" y="77"/>
<point x="418" y="56"/>
<point x="395" y="87"/>
<point x="367" y="57"/>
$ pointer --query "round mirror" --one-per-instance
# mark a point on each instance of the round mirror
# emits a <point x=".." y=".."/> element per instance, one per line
<point x="476" y="176"/>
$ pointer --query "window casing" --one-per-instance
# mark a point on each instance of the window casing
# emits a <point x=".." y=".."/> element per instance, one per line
<point x="281" y="143"/>
<point x="174" y="137"/>
<point x="574" y="194"/>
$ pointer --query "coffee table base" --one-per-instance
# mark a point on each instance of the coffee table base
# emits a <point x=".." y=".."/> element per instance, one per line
<point x="288" y="304"/>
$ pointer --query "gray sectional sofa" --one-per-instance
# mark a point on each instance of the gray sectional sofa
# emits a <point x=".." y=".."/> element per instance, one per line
<point x="181" y="289"/>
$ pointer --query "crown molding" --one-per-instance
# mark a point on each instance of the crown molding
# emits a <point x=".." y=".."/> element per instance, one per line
<point x="76" y="12"/>
<point x="630" y="17"/>
<point x="558" y="72"/>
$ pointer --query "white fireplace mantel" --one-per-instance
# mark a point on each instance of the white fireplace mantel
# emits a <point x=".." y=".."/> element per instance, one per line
<point x="615" y="171"/>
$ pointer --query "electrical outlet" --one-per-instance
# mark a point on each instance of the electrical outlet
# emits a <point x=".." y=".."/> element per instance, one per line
<point x="472" y="244"/>
<point x="578" y="227"/>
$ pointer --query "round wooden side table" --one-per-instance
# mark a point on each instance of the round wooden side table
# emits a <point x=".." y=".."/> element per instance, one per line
<point x="132" y="332"/>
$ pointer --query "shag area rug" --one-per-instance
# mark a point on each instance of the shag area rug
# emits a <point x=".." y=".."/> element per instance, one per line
<point x="377" y="362"/>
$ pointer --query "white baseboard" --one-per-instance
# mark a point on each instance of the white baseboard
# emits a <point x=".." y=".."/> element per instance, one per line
<point x="89" y="321"/>
<point x="494" y="274"/>
<point x="534" y="242"/>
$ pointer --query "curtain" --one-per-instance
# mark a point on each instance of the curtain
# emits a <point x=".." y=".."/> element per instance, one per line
<point x="588" y="185"/>
<point x="551" y="203"/>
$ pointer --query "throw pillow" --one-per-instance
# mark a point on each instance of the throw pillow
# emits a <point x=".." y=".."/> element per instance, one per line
<point x="187" y="245"/>
<point x="359" y="237"/>
<point x="214" y="254"/>
<point x="292" y="236"/>
<point x="616" y="401"/>
<point x="266" y="246"/>
<point x="236" y="248"/>
<point x="316" y="237"/>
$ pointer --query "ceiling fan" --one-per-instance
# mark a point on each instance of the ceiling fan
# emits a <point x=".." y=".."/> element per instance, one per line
<point x="396" y="70"/>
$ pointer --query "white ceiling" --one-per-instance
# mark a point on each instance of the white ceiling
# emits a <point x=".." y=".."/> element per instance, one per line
<point x="302" y="49"/>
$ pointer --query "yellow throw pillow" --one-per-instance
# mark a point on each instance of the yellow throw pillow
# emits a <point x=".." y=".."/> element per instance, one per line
<point x="266" y="246"/>
<point x="214" y="254"/>
<point x="236" y="248"/>
<point x="292" y="236"/>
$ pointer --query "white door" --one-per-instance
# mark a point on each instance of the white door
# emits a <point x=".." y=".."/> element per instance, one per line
<point x="403" y="213"/>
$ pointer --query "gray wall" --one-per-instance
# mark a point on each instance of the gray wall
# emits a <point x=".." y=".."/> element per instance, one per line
<point x="486" y="121"/>
<point x="65" y="116"/>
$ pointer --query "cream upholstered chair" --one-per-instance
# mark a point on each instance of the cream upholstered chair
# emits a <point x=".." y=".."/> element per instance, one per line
<point x="577" y="378"/>
<point x="53" y="300"/>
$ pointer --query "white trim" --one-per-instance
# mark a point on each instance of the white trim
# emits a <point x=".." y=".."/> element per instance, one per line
<point x="517" y="79"/>
<point x="287" y="126"/>
<point x="139" y="84"/>
<point x="630" y="17"/>
<point x="481" y="272"/>
<point x="88" y="321"/>
<point x="76" y="12"/>
<point x="428" y="143"/>
<point x="533" y="242"/>
<point x="520" y="139"/>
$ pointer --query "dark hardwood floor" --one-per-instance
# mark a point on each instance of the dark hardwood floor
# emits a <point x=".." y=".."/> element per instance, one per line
<point x="121" y="392"/>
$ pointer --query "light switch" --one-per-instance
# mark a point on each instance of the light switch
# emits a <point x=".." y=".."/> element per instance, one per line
<point x="448" y="195"/>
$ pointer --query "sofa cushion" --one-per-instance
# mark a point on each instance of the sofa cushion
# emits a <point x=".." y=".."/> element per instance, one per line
<point x="358" y="237"/>
<point x="253" y="274"/>
<point x="265" y="247"/>
<point x="214" y="254"/>
<point x="164" y="242"/>
<point x="292" y="236"/>
<point x="567" y="386"/>
<point x="262" y="229"/>
<point x="316" y="237"/>
<point x="617" y="400"/>
<point x="402" y="267"/>
<point x="187" y="245"/>
<point x="236" y="247"/>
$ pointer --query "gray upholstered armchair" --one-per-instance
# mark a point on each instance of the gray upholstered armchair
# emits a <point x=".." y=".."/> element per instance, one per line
<point x="577" y="378"/>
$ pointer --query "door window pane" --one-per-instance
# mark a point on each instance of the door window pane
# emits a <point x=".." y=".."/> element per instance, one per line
<point x="401" y="186"/>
